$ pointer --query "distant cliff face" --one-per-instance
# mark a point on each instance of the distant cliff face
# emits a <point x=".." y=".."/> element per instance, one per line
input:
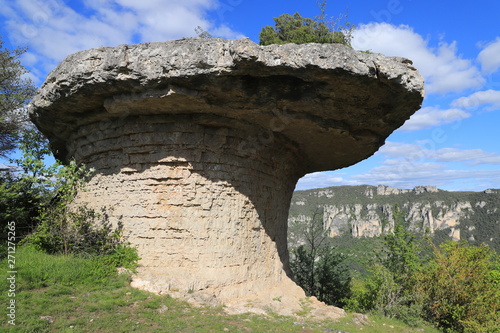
<point x="368" y="211"/>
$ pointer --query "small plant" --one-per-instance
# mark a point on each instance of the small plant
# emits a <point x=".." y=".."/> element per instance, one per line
<point x="306" y="305"/>
<point x="202" y="33"/>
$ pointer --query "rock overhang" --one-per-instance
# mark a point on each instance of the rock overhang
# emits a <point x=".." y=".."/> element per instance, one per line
<point x="334" y="105"/>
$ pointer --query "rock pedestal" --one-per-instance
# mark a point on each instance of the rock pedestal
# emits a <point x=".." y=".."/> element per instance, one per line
<point x="204" y="209"/>
<point x="198" y="145"/>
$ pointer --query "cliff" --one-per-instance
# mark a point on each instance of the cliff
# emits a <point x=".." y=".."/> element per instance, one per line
<point x="368" y="211"/>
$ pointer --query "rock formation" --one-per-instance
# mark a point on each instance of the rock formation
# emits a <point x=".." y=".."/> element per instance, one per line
<point x="198" y="143"/>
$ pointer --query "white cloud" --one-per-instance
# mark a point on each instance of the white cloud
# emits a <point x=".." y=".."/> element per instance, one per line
<point x="443" y="70"/>
<point x="473" y="156"/>
<point x="421" y="152"/>
<point x="477" y="99"/>
<point x="406" y="165"/>
<point x="399" y="149"/>
<point x="162" y="20"/>
<point x="223" y="31"/>
<point x="433" y="116"/>
<point x="402" y="174"/>
<point x="322" y="179"/>
<point x="489" y="57"/>
<point x="54" y="30"/>
<point x="408" y="174"/>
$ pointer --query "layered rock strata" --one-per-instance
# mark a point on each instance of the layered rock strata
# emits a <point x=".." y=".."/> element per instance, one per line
<point x="197" y="145"/>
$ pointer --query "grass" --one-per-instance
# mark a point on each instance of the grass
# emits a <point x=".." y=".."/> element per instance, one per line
<point x="68" y="294"/>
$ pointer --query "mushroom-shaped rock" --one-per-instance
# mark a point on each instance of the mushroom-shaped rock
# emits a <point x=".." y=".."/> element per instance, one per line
<point x="198" y="144"/>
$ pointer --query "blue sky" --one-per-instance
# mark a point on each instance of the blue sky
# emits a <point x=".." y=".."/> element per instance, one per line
<point x="451" y="143"/>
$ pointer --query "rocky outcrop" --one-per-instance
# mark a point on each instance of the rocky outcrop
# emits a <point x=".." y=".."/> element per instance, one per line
<point x="198" y="143"/>
<point x="368" y="211"/>
<point x="388" y="190"/>
<point x="358" y="220"/>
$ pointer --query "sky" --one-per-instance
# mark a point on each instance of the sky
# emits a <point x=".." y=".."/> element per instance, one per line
<point x="452" y="142"/>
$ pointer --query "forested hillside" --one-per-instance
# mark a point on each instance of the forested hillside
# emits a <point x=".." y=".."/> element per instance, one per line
<point x="368" y="211"/>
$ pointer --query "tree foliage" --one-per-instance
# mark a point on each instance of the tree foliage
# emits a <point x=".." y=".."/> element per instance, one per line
<point x="325" y="276"/>
<point x="30" y="186"/>
<point x="317" y="266"/>
<point x="390" y="290"/>
<point x="401" y="254"/>
<point x="457" y="288"/>
<point x="15" y="92"/>
<point x="66" y="228"/>
<point x="461" y="288"/>
<point x="39" y="199"/>
<point x="297" y="29"/>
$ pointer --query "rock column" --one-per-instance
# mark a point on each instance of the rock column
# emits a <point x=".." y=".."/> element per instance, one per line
<point x="205" y="199"/>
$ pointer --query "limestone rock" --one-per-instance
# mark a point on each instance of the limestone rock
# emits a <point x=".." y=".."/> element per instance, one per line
<point x="389" y="190"/>
<point x="425" y="189"/>
<point x="198" y="143"/>
<point x="325" y="98"/>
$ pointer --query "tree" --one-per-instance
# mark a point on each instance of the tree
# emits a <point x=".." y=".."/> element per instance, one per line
<point x="15" y="92"/>
<point x="312" y="239"/>
<point x="391" y="289"/>
<point x="462" y="288"/>
<point x="318" y="268"/>
<point x="402" y="262"/>
<point x="26" y="190"/>
<point x="39" y="199"/>
<point x="297" y="29"/>
<point x="401" y="253"/>
<point x="333" y="277"/>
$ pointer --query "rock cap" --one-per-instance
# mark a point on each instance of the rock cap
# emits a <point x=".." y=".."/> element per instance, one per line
<point x="334" y="104"/>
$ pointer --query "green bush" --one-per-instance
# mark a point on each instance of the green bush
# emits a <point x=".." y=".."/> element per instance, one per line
<point x="391" y="288"/>
<point x="461" y="288"/>
<point x="79" y="231"/>
<point x="121" y="256"/>
<point x="297" y="29"/>
<point x="457" y="289"/>
<point x="383" y="295"/>
<point x="66" y="228"/>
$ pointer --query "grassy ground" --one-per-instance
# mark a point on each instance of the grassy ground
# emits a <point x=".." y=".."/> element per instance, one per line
<point x="67" y="294"/>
